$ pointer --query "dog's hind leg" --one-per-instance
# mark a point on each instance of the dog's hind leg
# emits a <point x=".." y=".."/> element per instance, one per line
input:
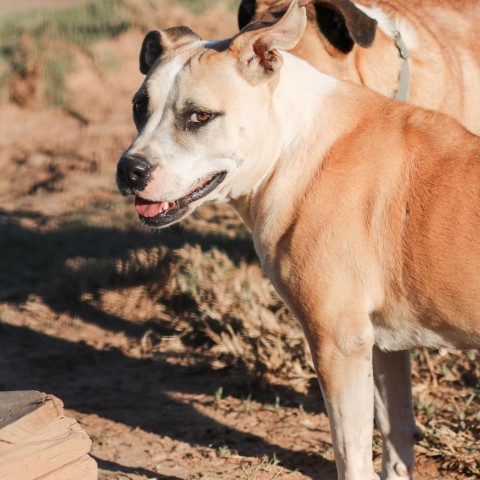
<point x="394" y="413"/>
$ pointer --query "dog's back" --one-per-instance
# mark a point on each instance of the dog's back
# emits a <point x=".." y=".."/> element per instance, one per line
<point x="441" y="248"/>
<point x="395" y="208"/>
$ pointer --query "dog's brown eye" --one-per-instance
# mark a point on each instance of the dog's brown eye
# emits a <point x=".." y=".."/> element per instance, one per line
<point x="200" y="117"/>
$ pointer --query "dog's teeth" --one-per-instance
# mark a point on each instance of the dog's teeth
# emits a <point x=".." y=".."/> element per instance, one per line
<point x="165" y="206"/>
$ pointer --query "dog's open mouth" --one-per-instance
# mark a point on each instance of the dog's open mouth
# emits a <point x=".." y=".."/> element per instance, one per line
<point x="159" y="214"/>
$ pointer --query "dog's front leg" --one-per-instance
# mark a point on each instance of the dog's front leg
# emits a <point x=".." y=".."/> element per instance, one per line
<point x="343" y="361"/>
<point x="394" y="413"/>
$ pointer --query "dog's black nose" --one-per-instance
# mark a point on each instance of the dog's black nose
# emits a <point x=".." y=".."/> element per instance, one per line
<point x="133" y="172"/>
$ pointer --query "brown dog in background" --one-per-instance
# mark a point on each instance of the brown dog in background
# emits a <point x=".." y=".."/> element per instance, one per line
<point x="356" y="41"/>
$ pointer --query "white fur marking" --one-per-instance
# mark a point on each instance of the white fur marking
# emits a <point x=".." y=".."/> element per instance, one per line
<point x="163" y="77"/>
<point x="297" y="107"/>
<point x="388" y="25"/>
<point x="301" y="86"/>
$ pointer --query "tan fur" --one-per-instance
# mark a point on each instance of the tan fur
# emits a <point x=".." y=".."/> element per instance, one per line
<point x="383" y="236"/>
<point x="400" y="214"/>
<point x="445" y="63"/>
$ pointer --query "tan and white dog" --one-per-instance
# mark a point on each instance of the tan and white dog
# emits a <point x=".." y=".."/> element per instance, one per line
<point x="423" y="51"/>
<point x="359" y="42"/>
<point x="364" y="211"/>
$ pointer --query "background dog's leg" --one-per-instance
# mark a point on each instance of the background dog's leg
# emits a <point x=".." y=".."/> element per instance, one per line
<point x="344" y="368"/>
<point x="394" y="412"/>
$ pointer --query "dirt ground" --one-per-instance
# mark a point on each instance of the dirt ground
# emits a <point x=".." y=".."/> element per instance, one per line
<point x="101" y="344"/>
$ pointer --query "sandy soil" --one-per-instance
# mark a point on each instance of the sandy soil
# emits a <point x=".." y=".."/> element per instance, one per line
<point x="151" y="414"/>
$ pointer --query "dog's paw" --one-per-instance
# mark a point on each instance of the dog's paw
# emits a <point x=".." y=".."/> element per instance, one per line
<point x="399" y="472"/>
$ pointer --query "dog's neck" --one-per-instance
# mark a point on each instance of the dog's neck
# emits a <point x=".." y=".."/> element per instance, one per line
<point x="305" y="122"/>
<point x="388" y="79"/>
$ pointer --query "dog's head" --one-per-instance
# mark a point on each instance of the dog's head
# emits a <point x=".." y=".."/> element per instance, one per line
<point x="199" y="114"/>
<point x="334" y="27"/>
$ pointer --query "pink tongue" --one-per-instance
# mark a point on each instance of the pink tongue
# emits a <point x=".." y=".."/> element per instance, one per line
<point x="147" y="209"/>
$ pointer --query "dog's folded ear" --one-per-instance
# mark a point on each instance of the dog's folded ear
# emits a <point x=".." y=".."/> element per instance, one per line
<point x="343" y="24"/>
<point x="256" y="46"/>
<point x="157" y="42"/>
<point x="246" y="12"/>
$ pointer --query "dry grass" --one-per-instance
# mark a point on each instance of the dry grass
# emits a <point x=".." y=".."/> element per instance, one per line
<point x="447" y="401"/>
<point x="220" y="306"/>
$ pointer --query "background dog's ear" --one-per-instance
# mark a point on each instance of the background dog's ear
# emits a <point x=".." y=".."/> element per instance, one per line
<point x="157" y="42"/>
<point x="246" y="12"/>
<point x="343" y="24"/>
<point x="256" y="46"/>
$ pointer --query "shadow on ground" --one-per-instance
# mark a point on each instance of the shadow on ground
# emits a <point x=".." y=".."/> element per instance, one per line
<point x="129" y="391"/>
<point x="116" y="467"/>
<point x="108" y="383"/>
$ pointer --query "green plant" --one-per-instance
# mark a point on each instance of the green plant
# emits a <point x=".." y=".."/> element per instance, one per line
<point x="198" y="6"/>
<point x="37" y="49"/>
<point x="218" y="396"/>
<point x="224" y="451"/>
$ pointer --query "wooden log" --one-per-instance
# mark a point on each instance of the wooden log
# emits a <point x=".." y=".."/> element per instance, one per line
<point x="59" y="443"/>
<point x="38" y="443"/>
<point x="85" y="468"/>
<point x="23" y="413"/>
